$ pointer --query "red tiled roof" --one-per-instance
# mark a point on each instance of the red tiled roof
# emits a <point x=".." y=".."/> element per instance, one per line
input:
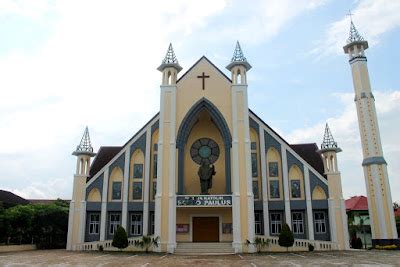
<point x="357" y="203"/>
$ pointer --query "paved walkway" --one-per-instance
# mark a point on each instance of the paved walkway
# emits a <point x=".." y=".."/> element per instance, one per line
<point x="65" y="258"/>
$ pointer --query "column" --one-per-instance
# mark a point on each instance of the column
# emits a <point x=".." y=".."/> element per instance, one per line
<point x="160" y="177"/>
<point x="104" y="198"/>
<point x="146" y="183"/>
<point x="125" y="194"/>
<point x="250" y="195"/>
<point x="237" y="244"/>
<point x="264" y="181"/>
<point x="286" y="187"/>
<point x="309" y="211"/>
<point x="172" y="174"/>
<point x="82" y="225"/>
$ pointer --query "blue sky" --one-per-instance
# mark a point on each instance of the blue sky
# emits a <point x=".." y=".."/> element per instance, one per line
<point x="68" y="64"/>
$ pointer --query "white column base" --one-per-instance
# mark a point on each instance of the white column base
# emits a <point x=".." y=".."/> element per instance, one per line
<point x="171" y="247"/>
<point x="238" y="247"/>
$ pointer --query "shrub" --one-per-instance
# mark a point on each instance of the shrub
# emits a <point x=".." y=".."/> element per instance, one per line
<point x="259" y="243"/>
<point x="310" y="247"/>
<point x="286" y="238"/>
<point x="146" y="242"/>
<point x="120" y="239"/>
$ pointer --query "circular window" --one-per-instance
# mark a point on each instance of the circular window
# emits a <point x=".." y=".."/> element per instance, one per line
<point x="204" y="149"/>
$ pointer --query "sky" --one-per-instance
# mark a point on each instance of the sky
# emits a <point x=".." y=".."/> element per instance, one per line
<point x="68" y="64"/>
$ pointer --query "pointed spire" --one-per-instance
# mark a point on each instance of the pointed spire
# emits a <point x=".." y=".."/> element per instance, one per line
<point x="238" y="58"/>
<point x="170" y="60"/>
<point x="170" y="56"/>
<point x="85" y="146"/>
<point x="329" y="143"/>
<point x="238" y="54"/>
<point x="354" y="35"/>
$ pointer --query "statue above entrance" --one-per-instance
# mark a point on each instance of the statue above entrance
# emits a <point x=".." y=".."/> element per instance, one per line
<point x="206" y="172"/>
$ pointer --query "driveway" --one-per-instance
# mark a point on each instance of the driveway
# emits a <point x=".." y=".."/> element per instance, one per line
<point x="67" y="258"/>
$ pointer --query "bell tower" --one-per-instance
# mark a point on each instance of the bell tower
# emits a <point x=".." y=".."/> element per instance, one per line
<point x="166" y="185"/>
<point x="380" y="203"/>
<point x="77" y="206"/>
<point x="242" y="193"/>
<point x="337" y="209"/>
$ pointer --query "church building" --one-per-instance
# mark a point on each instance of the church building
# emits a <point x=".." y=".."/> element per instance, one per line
<point x="207" y="169"/>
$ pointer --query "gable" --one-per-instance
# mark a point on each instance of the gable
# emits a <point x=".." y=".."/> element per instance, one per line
<point x="301" y="153"/>
<point x="217" y="89"/>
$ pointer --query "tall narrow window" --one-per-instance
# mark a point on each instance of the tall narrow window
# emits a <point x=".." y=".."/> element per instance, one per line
<point x="136" y="224"/>
<point x="137" y="190"/>
<point x="115" y="221"/>
<point x="297" y="223"/>
<point x="154" y="189"/>
<point x="152" y="223"/>
<point x="273" y="169"/>
<point x="254" y="167"/>
<point x="255" y="189"/>
<point x="116" y="190"/>
<point x="276" y="223"/>
<point x="319" y="222"/>
<point x="94" y="223"/>
<point x="137" y="171"/>
<point x="253" y="145"/>
<point x="155" y="157"/>
<point x="295" y="188"/>
<point x="258" y="223"/>
<point x="274" y="189"/>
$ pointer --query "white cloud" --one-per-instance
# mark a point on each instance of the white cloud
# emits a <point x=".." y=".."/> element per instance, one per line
<point x="345" y="131"/>
<point x="262" y="20"/>
<point x="372" y="19"/>
<point x="93" y="68"/>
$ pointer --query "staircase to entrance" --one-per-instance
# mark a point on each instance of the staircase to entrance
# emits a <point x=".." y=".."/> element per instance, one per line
<point x="204" y="248"/>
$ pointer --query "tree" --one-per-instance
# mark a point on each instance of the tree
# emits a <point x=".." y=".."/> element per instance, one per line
<point x="120" y="239"/>
<point x="18" y="223"/>
<point x="286" y="238"/>
<point x="50" y="226"/>
<point x="146" y="242"/>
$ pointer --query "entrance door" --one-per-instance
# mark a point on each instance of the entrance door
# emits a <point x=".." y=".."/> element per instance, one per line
<point x="205" y="229"/>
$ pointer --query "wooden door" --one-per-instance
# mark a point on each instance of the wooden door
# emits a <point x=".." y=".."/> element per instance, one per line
<point x="205" y="229"/>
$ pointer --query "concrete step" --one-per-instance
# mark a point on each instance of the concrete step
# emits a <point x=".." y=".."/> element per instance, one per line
<point x="222" y="248"/>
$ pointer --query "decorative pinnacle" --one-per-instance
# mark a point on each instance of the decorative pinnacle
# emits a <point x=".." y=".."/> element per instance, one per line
<point x="328" y="142"/>
<point x="238" y="54"/>
<point x="170" y="57"/>
<point x="238" y="58"/>
<point x="170" y="60"/>
<point x="354" y="34"/>
<point x="85" y="146"/>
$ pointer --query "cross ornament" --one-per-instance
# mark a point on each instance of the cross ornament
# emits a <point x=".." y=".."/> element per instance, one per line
<point x="203" y="77"/>
<point x="350" y="15"/>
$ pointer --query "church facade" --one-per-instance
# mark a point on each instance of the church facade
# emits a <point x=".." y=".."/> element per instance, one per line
<point x="207" y="169"/>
